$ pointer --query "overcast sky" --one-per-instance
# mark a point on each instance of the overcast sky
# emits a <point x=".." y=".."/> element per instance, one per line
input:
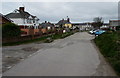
<point x="76" y="11"/>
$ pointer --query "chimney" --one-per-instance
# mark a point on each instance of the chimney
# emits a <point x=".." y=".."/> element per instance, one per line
<point x="21" y="8"/>
<point x="68" y="19"/>
<point x="45" y="21"/>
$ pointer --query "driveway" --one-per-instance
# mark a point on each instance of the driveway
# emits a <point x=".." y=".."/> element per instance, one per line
<point x="75" y="55"/>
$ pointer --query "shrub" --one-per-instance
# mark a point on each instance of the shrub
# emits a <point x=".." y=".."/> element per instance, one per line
<point x="10" y="30"/>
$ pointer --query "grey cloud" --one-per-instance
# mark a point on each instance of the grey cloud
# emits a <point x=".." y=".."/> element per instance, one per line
<point x="77" y="11"/>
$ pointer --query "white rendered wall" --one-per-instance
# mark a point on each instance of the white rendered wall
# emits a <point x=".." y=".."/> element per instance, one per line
<point x="21" y="21"/>
<point x="17" y="20"/>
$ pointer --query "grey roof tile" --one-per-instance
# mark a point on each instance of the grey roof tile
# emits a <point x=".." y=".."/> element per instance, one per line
<point x="21" y="14"/>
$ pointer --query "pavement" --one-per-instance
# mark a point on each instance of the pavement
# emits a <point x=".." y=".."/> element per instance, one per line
<point x="75" y="55"/>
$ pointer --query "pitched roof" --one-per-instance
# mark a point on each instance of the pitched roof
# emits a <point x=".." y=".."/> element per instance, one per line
<point x="19" y="14"/>
<point x="105" y="23"/>
<point x="46" y="24"/>
<point x="1" y="15"/>
<point x="62" y="22"/>
<point x="81" y="23"/>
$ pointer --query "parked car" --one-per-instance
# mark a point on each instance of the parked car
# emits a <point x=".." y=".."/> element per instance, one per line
<point x="92" y="31"/>
<point x="99" y="32"/>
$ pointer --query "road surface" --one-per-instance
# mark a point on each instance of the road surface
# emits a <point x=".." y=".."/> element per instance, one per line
<point x="75" y="55"/>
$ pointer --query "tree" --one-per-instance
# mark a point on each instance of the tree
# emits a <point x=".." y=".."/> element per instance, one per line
<point x="10" y="30"/>
<point x="97" y="22"/>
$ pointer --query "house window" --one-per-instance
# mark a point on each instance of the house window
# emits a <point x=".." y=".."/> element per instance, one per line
<point x="33" y="21"/>
<point x="29" y="21"/>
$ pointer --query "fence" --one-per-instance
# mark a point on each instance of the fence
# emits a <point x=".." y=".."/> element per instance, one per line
<point x="27" y="37"/>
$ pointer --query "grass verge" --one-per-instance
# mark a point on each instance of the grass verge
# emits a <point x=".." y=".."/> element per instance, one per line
<point x="109" y="45"/>
<point x="58" y="36"/>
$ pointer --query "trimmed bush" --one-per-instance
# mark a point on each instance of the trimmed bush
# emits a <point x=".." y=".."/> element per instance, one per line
<point x="10" y="30"/>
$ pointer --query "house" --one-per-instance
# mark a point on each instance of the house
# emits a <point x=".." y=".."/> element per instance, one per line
<point x="105" y="26"/>
<point x="83" y="26"/>
<point x="25" y="20"/>
<point x="65" y="23"/>
<point x="114" y="24"/>
<point x="47" y="27"/>
<point x="4" y="19"/>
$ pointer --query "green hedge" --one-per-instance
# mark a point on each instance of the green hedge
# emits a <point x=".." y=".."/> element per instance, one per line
<point x="10" y="30"/>
<point x="109" y="45"/>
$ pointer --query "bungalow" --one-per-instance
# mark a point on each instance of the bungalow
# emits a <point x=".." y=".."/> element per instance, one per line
<point x="83" y="26"/>
<point x="47" y="27"/>
<point x="105" y="26"/>
<point x="25" y="20"/>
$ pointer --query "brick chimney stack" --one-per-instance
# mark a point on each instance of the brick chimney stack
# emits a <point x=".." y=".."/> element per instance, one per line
<point x="45" y="21"/>
<point x="68" y="19"/>
<point x="21" y="8"/>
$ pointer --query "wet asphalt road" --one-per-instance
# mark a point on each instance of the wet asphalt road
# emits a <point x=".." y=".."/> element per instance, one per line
<point x="75" y="55"/>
